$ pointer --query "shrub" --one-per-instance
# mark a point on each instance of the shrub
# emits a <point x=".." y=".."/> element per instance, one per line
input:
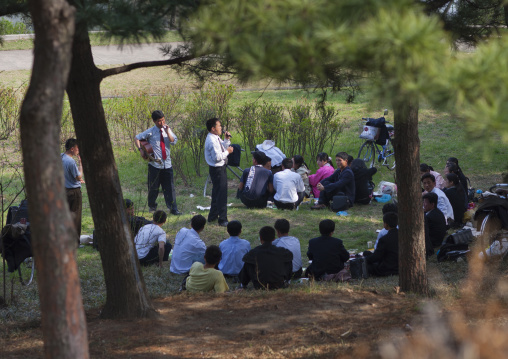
<point x="10" y="105"/>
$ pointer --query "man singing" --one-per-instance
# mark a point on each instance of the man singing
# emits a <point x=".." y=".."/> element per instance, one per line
<point x="216" y="155"/>
<point x="160" y="172"/>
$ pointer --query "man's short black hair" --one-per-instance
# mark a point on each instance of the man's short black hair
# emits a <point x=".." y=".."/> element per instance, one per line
<point x="424" y="167"/>
<point x="198" y="222"/>
<point x="260" y="157"/>
<point x="428" y="175"/>
<point x="267" y="234"/>
<point x="390" y="207"/>
<point x="287" y="163"/>
<point x="391" y="219"/>
<point x="326" y="227"/>
<point x="234" y="228"/>
<point x="431" y="197"/>
<point x="157" y="114"/>
<point x="70" y="143"/>
<point x="282" y="225"/>
<point x="160" y="216"/>
<point x="211" y="123"/>
<point x="342" y="155"/>
<point x="213" y="255"/>
<point x="128" y="203"/>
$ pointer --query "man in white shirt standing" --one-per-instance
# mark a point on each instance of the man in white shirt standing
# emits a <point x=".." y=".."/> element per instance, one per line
<point x="160" y="171"/>
<point x="429" y="185"/>
<point x="284" y="240"/>
<point x="289" y="187"/>
<point x="189" y="247"/>
<point x="216" y="155"/>
<point x="150" y="241"/>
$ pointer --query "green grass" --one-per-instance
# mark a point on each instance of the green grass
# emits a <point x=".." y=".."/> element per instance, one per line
<point x="96" y="39"/>
<point x="441" y="136"/>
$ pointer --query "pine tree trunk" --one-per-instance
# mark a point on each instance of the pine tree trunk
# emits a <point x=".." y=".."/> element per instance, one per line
<point x="412" y="263"/>
<point x="126" y="292"/>
<point x="53" y="232"/>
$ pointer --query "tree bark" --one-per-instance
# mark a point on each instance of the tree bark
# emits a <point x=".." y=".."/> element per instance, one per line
<point x="126" y="295"/>
<point x="53" y="231"/>
<point x="412" y="263"/>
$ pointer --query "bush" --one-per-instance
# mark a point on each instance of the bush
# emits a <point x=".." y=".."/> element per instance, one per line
<point x="9" y="28"/>
<point x="10" y="105"/>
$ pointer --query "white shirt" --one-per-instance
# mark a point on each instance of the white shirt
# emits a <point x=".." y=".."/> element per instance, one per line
<point x="189" y="248"/>
<point x="292" y="244"/>
<point x="215" y="154"/>
<point x="287" y="184"/>
<point x="148" y="236"/>
<point x="269" y="149"/>
<point x="443" y="203"/>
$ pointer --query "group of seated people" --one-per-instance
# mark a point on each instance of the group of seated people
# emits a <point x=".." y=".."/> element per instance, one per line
<point x="271" y="265"/>
<point x="290" y="183"/>
<point x="445" y="200"/>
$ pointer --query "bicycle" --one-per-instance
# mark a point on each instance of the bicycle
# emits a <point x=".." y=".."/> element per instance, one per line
<point x="372" y="130"/>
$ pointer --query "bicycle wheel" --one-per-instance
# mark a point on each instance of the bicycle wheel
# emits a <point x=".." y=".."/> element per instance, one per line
<point x="367" y="153"/>
<point x="389" y="153"/>
<point x="26" y="271"/>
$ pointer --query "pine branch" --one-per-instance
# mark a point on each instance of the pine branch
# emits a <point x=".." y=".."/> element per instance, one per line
<point x="139" y="65"/>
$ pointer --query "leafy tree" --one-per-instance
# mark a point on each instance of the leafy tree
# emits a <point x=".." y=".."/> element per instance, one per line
<point x="392" y="42"/>
<point x="53" y="232"/>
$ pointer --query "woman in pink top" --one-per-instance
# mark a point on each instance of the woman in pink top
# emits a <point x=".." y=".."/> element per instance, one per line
<point x="325" y="169"/>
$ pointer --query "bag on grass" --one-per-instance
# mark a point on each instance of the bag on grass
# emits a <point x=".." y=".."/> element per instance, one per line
<point x="452" y="252"/>
<point x="464" y="236"/>
<point x="358" y="268"/>
<point x="340" y="203"/>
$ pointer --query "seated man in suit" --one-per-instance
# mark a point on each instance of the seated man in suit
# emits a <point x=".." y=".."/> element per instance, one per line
<point x="256" y="183"/>
<point x="444" y="205"/>
<point x="435" y="224"/>
<point x="327" y="253"/>
<point x="267" y="266"/>
<point x="341" y="182"/>
<point x="385" y="259"/>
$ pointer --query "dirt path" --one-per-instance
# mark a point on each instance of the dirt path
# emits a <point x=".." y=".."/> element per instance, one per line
<point x="248" y="325"/>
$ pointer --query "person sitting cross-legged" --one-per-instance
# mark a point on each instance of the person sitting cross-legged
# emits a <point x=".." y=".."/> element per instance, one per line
<point x="385" y="259"/>
<point x="150" y="242"/>
<point x="189" y="247"/>
<point x="327" y="253"/>
<point x="341" y="182"/>
<point x="233" y="249"/>
<point x="256" y="183"/>
<point x="267" y="266"/>
<point x="289" y="187"/>
<point x="205" y="278"/>
<point x="435" y="224"/>
<point x="444" y="205"/>
<point x="284" y="240"/>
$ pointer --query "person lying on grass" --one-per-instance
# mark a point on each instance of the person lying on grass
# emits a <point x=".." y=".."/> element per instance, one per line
<point x="150" y="242"/>
<point x="205" y="278"/>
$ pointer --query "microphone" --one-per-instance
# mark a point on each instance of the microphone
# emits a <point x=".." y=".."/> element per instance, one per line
<point x="224" y="132"/>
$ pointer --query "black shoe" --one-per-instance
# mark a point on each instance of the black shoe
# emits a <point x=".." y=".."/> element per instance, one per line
<point x="223" y="224"/>
<point x="176" y="212"/>
<point x="211" y="220"/>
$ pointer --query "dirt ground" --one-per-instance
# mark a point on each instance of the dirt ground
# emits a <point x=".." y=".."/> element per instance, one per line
<point x="333" y="323"/>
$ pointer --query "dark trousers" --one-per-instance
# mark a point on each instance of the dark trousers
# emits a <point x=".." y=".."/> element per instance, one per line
<point x="153" y="256"/>
<point x="254" y="203"/>
<point x="290" y="206"/>
<point x="75" y="201"/>
<point x="157" y="178"/>
<point x="218" y="208"/>
<point x="326" y="197"/>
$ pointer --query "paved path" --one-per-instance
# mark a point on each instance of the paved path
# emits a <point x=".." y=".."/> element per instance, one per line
<point x="103" y="55"/>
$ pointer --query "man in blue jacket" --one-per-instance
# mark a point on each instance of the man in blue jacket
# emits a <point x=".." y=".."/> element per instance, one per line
<point x="341" y="182"/>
